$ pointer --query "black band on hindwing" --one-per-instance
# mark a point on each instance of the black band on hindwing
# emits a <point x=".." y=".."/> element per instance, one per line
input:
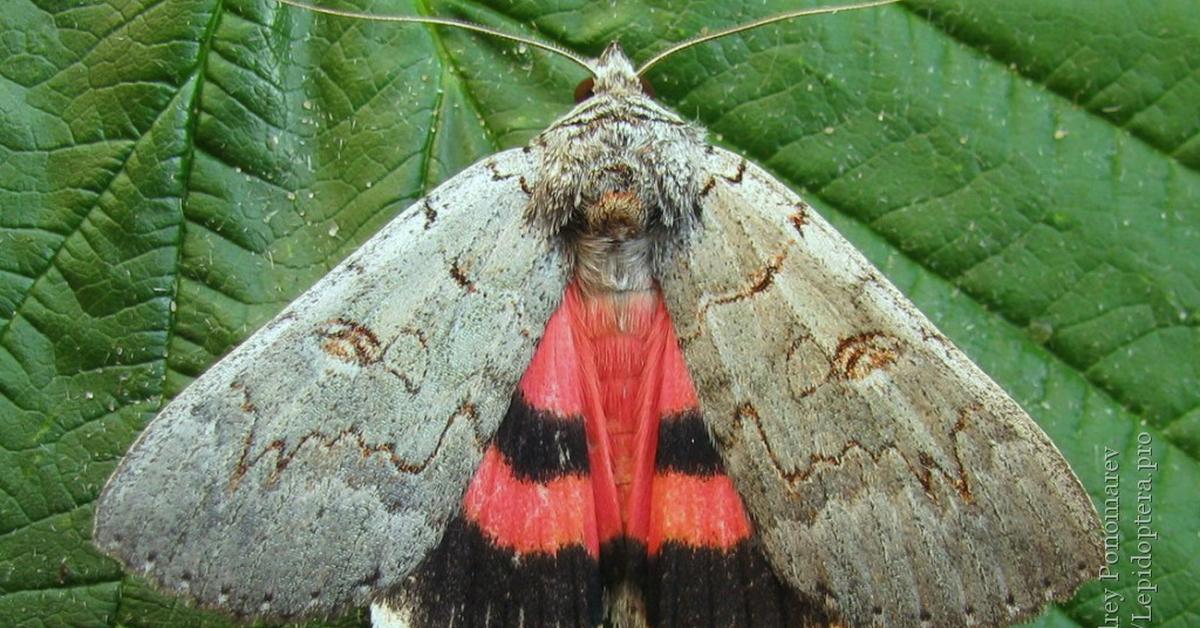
<point x="684" y="446"/>
<point x="468" y="581"/>
<point x="540" y="445"/>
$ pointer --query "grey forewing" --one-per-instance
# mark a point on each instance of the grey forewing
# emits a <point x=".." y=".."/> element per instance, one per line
<point x="883" y="469"/>
<point x="319" y="461"/>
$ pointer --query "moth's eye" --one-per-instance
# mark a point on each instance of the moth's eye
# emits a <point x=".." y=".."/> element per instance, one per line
<point x="647" y="88"/>
<point x="584" y="90"/>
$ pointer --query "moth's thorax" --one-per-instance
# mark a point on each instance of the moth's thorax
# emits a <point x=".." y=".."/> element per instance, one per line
<point x="617" y="181"/>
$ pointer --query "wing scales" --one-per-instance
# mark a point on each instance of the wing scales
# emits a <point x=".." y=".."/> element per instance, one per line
<point x="331" y="447"/>
<point x="884" y="469"/>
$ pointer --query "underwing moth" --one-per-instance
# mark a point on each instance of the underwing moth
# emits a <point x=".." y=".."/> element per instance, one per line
<point x="617" y="376"/>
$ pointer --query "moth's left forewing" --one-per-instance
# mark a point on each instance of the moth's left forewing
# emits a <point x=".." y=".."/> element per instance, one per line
<point x="884" y="470"/>
<point x="313" y="467"/>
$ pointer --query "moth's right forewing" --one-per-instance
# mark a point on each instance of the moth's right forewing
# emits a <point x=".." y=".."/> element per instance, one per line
<point x="886" y="473"/>
<point x="319" y="461"/>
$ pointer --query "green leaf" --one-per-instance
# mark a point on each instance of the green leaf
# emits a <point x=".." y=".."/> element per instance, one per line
<point x="173" y="172"/>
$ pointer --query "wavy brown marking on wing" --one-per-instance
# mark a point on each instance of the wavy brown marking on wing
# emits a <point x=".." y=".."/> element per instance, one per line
<point x="415" y="332"/>
<point x="248" y="406"/>
<point x="712" y="181"/>
<point x="284" y="455"/>
<point x="430" y="213"/>
<point x="410" y="386"/>
<point x="962" y="484"/>
<point x="763" y="279"/>
<point x="922" y="472"/>
<point x="737" y="176"/>
<point x="460" y="277"/>
<point x="857" y="356"/>
<point x="799" y="218"/>
<point x="349" y="341"/>
<point x="496" y="174"/>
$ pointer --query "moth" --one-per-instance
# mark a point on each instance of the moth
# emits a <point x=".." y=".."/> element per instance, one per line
<point x="618" y="376"/>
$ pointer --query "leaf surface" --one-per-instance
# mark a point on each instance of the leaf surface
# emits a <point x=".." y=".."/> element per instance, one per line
<point x="173" y="172"/>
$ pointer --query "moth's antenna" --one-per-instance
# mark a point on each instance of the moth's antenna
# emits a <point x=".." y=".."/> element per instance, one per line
<point x="699" y="39"/>
<point x="444" y="21"/>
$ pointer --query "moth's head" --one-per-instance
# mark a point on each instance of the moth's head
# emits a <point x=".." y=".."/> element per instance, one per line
<point x="614" y="75"/>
